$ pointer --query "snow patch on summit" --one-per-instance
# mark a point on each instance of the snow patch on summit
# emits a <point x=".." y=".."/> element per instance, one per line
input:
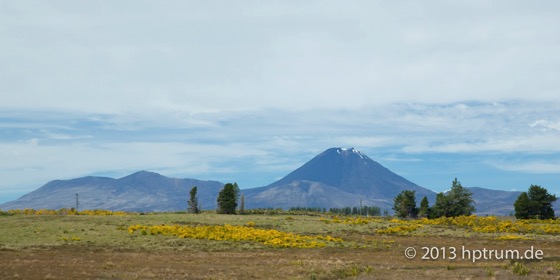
<point x="344" y="151"/>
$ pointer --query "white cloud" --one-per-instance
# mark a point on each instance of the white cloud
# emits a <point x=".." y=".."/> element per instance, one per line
<point x="536" y="167"/>
<point x="546" y="125"/>
<point x="525" y="144"/>
<point x="95" y="58"/>
<point x="30" y="164"/>
<point x="365" y="141"/>
<point x="203" y="88"/>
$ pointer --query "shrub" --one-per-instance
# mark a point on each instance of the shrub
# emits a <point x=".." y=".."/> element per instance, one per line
<point x="520" y="269"/>
<point x="272" y="238"/>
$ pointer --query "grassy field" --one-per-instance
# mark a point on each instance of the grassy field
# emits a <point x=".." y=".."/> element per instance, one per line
<point x="106" y="247"/>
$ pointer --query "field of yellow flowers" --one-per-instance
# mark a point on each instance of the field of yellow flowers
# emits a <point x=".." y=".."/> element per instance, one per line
<point x="471" y="223"/>
<point x="269" y="237"/>
<point x="65" y="244"/>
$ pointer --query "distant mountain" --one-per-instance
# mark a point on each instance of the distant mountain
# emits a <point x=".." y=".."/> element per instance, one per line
<point x="494" y="202"/>
<point x="141" y="191"/>
<point x="337" y="177"/>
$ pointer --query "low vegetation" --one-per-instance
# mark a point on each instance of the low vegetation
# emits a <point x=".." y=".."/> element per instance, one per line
<point x="66" y="244"/>
<point x="269" y="237"/>
<point x="444" y="241"/>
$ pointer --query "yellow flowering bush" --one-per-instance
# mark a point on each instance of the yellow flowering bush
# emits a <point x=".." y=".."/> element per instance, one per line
<point x="486" y="229"/>
<point x="272" y="238"/>
<point x="490" y="224"/>
<point x="73" y="238"/>
<point x="513" y="237"/>
<point x="493" y="225"/>
<point x="100" y="212"/>
<point x="401" y="230"/>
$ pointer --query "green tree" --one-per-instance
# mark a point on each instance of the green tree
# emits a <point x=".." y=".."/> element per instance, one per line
<point x="440" y="206"/>
<point x="456" y="202"/>
<point x="226" y="199"/>
<point x="535" y="203"/>
<point x="522" y="206"/>
<point x="236" y="192"/>
<point x="193" y="201"/>
<point x="424" y="210"/>
<point x="460" y="200"/>
<point x="404" y="204"/>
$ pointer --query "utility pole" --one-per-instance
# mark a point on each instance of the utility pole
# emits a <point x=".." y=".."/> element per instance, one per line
<point x="77" y="203"/>
<point x="361" y="207"/>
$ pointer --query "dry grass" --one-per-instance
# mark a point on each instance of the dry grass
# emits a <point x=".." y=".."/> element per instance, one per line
<point x="41" y="247"/>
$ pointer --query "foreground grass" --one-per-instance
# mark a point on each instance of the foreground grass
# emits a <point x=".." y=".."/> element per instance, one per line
<point x="69" y="246"/>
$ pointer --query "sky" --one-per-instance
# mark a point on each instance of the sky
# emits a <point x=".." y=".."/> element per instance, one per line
<point x="248" y="91"/>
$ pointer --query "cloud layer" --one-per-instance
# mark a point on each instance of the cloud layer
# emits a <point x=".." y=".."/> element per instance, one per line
<point x="257" y="146"/>
<point x="249" y="91"/>
<point x="127" y="57"/>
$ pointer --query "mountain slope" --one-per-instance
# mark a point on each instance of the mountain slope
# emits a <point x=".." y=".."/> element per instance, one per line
<point x="141" y="191"/>
<point x="338" y="177"/>
<point x="494" y="202"/>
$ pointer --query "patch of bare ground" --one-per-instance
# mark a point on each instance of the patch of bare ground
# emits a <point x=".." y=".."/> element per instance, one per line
<point x="101" y="247"/>
<point x="385" y="261"/>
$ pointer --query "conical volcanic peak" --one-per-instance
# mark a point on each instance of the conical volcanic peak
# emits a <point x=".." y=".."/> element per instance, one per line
<point x="350" y="170"/>
<point x="347" y="152"/>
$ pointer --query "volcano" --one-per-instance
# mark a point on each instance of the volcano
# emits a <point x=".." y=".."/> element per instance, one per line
<point x="338" y="177"/>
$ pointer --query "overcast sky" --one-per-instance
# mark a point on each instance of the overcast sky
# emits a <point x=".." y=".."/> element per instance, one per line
<point x="248" y="91"/>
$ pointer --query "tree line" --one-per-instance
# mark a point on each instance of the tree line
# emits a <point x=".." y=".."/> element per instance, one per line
<point x="536" y="203"/>
<point x="227" y="200"/>
<point x="356" y="210"/>
<point x="229" y="196"/>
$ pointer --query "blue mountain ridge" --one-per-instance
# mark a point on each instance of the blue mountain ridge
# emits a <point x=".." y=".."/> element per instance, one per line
<point x="337" y="177"/>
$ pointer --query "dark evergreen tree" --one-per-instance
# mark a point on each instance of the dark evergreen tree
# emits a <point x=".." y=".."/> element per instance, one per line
<point x="460" y="200"/>
<point x="456" y="202"/>
<point x="541" y="202"/>
<point x="236" y="192"/>
<point x="424" y="210"/>
<point x="440" y="206"/>
<point x="193" y="201"/>
<point x="404" y="204"/>
<point x="522" y="206"/>
<point x="536" y="203"/>
<point x="226" y="200"/>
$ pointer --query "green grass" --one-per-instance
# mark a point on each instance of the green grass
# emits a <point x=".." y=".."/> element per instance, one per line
<point x="22" y="231"/>
<point x="19" y="231"/>
<point x="363" y="252"/>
